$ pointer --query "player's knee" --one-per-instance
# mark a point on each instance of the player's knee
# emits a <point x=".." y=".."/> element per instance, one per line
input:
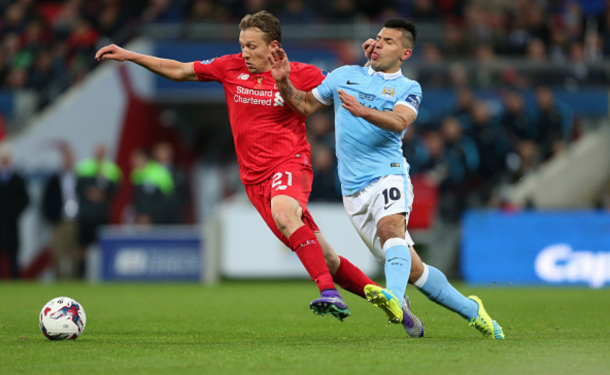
<point x="390" y="230"/>
<point x="285" y="220"/>
<point x="393" y="226"/>
<point x="281" y="220"/>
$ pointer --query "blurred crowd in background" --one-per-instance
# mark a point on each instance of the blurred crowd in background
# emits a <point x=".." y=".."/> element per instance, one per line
<point x="44" y="40"/>
<point x="78" y="199"/>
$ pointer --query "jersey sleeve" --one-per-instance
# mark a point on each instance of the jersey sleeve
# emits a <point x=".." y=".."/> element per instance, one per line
<point x="211" y="69"/>
<point x="325" y="91"/>
<point x="412" y="97"/>
<point x="309" y="77"/>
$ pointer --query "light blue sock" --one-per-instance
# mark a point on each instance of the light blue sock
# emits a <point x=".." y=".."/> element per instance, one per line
<point x="397" y="266"/>
<point x="434" y="285"/>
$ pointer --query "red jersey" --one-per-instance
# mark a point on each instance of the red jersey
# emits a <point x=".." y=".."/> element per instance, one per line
<point x="265" y="130"/>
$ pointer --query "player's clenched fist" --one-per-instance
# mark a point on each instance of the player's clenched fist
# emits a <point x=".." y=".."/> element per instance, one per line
<point x="112" y="52"/>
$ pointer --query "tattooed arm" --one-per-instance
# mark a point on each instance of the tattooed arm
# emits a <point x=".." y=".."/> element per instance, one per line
<point x="301" y="102"/>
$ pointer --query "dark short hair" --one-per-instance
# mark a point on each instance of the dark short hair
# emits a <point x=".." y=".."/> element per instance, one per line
<point x="409" y="31"/>
<point x="265" y="22"/>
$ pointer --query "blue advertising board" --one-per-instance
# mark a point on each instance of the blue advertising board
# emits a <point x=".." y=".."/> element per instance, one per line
<point x="533" y="248"/>
<point x="154" y="255"/>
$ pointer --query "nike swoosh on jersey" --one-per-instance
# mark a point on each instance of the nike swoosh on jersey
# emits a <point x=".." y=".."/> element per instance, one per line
<point x="388" y="206"/>
<point x="352" y="83"/>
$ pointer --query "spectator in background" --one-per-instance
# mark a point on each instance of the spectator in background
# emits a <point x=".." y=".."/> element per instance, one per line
<point x="296" y="12"/>
<point x="162" y="11"/>
<point x="97" y="182"/>
<point x="11" y="47"/>
<point x="67" y="19"/>
<point x="486" y="74"/>
<point x="110" y="18"/>
<point x="456" y="44"/>
<point x="163" y="153"/>
<point x="14" y="19"/>
<point x="461" y="153"/>
<point x="35" y="38"/>
<point x="343" y="11"/>
<point x="205" y="11"/>
<point x="540" y="72"/>
<point x="527" y="160"/>
<point x="461" y="108"/>
<point x="153" y="193"/>
<point x="42" y="72"/>
<point x="414" y="150"/>
<point x="425" y="11"/>
<point x="553" y="122"/>
<point x="13" y="201"/>
<point x="320" y="130"/>
<point x="580" y="72"/>
<point x="81" y="45"/>
<point x="458" y="75"/>
<point x="432" y="72"/>
<point x="558" y="45"/>
<point x="516" y="121"/>
<point x="535" y="51"/>
<point x="536" y="21"/>
<point x="60" y="207"/>
<point x="517" y="36"/>
<point x="325" y="186"/>
<point x="492" y="145"/>
<point x="17" y="79"/>
<point x="435" y="168"/>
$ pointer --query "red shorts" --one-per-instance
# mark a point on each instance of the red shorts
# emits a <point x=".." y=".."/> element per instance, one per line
<point x="291" y="179"/>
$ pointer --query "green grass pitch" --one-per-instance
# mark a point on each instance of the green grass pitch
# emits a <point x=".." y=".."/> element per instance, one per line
<point x="266" y="328"/>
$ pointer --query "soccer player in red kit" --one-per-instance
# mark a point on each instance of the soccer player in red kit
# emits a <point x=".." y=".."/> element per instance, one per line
<point x="272" y="150"/>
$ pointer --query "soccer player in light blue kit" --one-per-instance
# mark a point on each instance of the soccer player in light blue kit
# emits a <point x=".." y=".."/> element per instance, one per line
<point x="374" y="105"/>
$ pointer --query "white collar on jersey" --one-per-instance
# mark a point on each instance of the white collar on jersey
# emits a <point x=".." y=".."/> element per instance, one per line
<point x="386" y="76"/>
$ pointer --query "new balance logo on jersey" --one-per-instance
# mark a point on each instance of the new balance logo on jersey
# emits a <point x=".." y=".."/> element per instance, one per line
<point x="243" y="76"/>
<point x="279" y="101"/>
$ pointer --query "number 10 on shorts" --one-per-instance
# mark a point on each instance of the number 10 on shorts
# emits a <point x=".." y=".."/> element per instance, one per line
<point x="277" y="183"/>
<point x="392" y="194"/>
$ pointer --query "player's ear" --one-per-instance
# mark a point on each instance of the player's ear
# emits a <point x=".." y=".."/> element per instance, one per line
<point x="274" y="44"/>
<point x="406" y="54"/>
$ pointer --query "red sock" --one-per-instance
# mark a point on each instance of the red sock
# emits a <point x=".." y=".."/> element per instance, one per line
<point x="305" y="244"/>
<point x="350" y="278"/>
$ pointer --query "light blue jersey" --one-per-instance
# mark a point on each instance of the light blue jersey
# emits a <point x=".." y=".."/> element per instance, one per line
<point x="366" y="152"/>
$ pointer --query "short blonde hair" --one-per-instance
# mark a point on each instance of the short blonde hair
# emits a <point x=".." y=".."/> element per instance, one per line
<point x="265" y="22"/>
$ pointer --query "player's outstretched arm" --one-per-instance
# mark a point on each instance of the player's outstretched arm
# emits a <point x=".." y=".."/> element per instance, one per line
<point x="170" y="69"/>
<point x="301" y="102"/>
<point x="395" y="121"/>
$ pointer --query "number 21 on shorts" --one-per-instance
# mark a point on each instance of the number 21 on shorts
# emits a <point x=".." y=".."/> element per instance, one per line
<point x="278" y="181"/>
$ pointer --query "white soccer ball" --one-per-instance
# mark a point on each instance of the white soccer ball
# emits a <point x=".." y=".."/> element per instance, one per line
<point x="62" y="318"/>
